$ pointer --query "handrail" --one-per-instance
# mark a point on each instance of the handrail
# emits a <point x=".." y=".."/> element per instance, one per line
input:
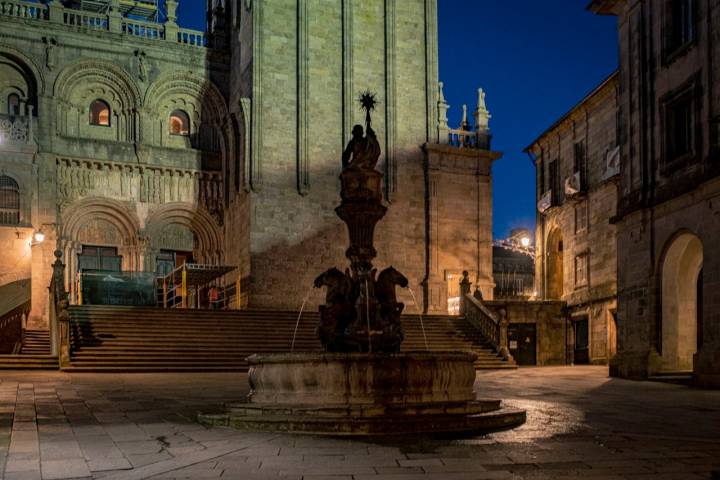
<point x="59" y="314"/>
<point x="12" y="326"/>
<point x="491" y="326"/>
<point x="483" y="320"/>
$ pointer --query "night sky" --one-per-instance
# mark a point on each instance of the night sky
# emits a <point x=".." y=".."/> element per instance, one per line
<point x="535" y="60"/>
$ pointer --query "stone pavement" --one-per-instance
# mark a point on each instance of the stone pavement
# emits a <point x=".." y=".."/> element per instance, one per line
<point x="581" y="424"/>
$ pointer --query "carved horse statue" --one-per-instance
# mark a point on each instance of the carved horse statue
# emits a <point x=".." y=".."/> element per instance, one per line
<point x="385" y="285"/>
<point x="339" y="286"/>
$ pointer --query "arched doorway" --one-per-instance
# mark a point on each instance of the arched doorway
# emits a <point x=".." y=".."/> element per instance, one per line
<point x="681" y="304"/>
<point x="554" y="253"/>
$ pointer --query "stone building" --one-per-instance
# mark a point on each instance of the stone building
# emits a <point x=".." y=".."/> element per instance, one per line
<point x="668" y="214"/>
<point x="514" y="266"/>
<point x="134" y="145"/>
<point x="575" y="261"/>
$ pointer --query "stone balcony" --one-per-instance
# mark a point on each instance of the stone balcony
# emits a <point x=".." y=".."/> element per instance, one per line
<point x="53" y="12"/>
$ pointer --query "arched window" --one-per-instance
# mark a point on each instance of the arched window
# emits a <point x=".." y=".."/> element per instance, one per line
<point x="100" y="113"/>
<point x="9" y="201"/>
<point x="179" y="123"/>
<point x="13" y="106"/>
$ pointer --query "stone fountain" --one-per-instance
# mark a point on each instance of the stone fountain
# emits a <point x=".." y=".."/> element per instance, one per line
<point x="363" y="384"/>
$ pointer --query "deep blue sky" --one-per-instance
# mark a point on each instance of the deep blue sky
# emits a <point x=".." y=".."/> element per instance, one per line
<point x="534" y="59"/>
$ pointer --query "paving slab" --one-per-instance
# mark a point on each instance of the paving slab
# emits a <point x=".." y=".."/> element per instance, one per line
<point x="581" y="424"/>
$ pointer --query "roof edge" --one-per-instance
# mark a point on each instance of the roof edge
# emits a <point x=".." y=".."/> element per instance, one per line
<point x="612" y="77"/>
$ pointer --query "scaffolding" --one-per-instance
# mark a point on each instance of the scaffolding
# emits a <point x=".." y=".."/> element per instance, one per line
<point x="148" y="10"/>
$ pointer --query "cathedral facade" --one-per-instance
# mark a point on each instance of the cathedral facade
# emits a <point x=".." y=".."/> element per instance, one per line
<point x="131" y="144"/>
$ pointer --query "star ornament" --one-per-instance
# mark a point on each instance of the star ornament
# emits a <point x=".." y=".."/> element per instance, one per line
<point x="368" y="101"/>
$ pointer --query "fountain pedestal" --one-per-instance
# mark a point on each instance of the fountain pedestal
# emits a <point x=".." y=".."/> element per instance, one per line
<point x="363" y="385"/>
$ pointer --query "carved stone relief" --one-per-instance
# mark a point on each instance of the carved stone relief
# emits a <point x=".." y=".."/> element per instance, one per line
<point x="176" y="237"/>
<point x="79" y="178"/>
<point x="99" y="232"/>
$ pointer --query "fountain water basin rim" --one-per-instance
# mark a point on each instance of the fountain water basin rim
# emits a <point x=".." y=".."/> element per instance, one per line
<point x="326" y="379"/>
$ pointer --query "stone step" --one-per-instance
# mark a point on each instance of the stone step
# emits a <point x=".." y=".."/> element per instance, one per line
<point x="28" y="362"/>
<point x="109" y="338"/>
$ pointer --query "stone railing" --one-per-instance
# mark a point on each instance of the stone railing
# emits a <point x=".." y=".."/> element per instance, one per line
<point x="193" y="38"/>
<point x="21" y="9"/>
<point x="469" y="139"/>
<point x="87" y="20"/>
<point x="149" y="30"/>
<point x="54" y="12"/>
<point x="15" y="129"/>
<point x="59" y="313"/>
<point x="487" y="323"/>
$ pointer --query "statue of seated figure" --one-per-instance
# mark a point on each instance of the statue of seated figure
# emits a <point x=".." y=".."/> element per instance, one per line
<point x="361" y="152"/>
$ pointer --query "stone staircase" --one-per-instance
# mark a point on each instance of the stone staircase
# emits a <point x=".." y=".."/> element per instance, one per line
<point x="35" y="353"/>
<point x="107" y="338"/>
<point x="36" y="342"/>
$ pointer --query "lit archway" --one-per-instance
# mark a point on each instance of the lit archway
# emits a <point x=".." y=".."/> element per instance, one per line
<point x="681" y="270"/>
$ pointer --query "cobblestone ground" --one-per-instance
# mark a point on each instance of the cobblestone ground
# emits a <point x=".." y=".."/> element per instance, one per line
<point x="581" y="424"/>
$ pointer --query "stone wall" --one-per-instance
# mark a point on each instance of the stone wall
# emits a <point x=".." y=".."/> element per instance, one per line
<point x="553" y="344"/>
<point x="104" y="184"/>
<point x="668" y="197"/>
<point x="309" y="65"/>
<point x="576" y="254"/>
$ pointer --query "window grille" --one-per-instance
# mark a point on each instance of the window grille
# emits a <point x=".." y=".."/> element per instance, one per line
<point x="9" y="201"/>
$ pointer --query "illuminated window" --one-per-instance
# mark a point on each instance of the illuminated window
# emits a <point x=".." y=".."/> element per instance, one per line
<point x="13" y="104"/>
<point x="9" y="201"/>
<point x="100" y="113"/>
<point x="179" y="123"/>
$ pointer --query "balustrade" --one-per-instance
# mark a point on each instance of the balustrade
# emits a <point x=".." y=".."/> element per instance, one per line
<point x="193" y="38"/>
<point x="152" y="31"/>
<point x="102" y="22"/>
<point x="21" y="9"/>
<point x="87" y="20"/>
<point x="469" y="139"/>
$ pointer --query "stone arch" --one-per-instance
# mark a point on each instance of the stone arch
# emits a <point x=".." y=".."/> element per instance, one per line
<point x="87" y="80"/>
<point x="554" y="254"/>
<point x="15" y="64"/>
<point x="208" y="245"/>
<point x="110" y="211"/>
<point x="102" y="221"/>
<point x="681" y="266"/>
<point x="193" y="94"/>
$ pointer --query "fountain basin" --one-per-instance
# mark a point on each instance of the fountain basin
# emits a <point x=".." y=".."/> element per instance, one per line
<point x="365" y="394"/>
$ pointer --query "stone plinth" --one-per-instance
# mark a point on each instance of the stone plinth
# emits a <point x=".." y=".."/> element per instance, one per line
<point x="365" y="394"/>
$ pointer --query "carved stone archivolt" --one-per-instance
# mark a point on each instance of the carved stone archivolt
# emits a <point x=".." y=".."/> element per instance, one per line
<point x="207" y="237"/>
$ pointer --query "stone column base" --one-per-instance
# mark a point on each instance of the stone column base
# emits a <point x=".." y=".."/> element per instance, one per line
<point x="637" y="365"/>
<point x="706" y="368"/>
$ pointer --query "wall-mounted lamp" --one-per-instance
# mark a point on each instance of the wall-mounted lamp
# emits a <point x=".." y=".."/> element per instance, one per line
<point x="39" y="237"/>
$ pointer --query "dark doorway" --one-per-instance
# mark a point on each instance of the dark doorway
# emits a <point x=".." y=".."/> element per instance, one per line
<point x="581" y="353"/>
<point x="521" y="342"/>
<point x="168" y="260"/>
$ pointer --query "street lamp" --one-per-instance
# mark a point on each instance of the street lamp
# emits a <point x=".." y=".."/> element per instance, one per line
<point x="525" y="242"/>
